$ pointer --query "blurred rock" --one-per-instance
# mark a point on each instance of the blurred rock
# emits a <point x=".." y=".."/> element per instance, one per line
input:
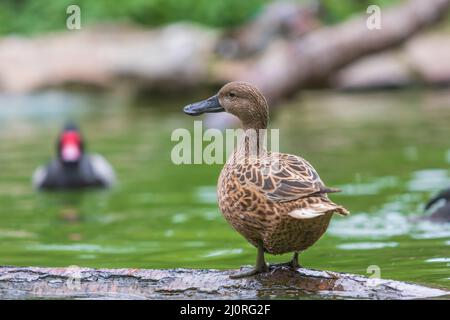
<point x="422" y="60"/>
<point x="429" y="57"/>
<point x="166" y="58"/>
<point x="380" y="71"/>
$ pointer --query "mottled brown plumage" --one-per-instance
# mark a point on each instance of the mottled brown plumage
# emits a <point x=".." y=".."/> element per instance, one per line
<point x="260" y="202"/>
<point x="276" y="201"/>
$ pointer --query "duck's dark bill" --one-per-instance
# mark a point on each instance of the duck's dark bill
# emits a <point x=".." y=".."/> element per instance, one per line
<point x="206" y="106"/>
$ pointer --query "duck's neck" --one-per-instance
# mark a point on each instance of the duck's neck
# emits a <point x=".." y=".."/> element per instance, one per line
<point x="252" y="144"/>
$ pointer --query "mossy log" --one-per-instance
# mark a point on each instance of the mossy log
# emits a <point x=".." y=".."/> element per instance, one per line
<point x="87" y="283"/>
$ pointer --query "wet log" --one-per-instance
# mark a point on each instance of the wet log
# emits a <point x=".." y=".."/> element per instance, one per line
<point x="82" y="283"/>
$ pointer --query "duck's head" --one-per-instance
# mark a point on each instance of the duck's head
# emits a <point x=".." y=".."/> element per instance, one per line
<point x="241" y="99"/>
<point x="70" y="145"/>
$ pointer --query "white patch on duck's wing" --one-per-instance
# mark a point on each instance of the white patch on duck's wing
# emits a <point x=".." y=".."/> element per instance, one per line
<point x="39" y="176"/>
<point x="103" y="169"/>
<point x="313" y="210"/>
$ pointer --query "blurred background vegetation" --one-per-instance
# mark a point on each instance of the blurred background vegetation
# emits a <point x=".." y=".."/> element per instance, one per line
<point x="25" y="16"/>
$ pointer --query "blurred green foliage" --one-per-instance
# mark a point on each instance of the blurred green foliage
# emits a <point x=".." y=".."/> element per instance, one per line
<point x="35" y="16"/>
<point x="335" y="10"/>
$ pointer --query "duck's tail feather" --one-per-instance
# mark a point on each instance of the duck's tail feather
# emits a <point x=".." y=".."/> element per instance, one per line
<point x="342" y="211"/>
<point x="315" y="209"/>
<point x="331" y="190"/>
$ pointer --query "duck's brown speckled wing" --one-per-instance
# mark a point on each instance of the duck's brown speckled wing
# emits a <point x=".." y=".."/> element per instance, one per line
<point x="284" y="177"/>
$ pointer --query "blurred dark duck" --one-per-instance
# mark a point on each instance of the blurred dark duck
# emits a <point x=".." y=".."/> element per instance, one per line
<point x="277" y="201"/>
<point x="442" y="213"/>
<point x="73" y="168"/>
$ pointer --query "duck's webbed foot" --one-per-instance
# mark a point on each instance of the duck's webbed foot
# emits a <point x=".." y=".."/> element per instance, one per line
<point x="293" y="263"/>
<point x="250" y="273"/>
<point x="261" y="266"/>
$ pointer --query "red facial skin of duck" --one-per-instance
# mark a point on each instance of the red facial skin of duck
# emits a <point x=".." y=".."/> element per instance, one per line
<point x="70" y="146"/>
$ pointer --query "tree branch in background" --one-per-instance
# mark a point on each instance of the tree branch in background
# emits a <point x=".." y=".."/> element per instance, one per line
<point x="309" y="61"/>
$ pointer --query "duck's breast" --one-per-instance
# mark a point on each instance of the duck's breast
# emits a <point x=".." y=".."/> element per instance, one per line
<point x="242" y="208"/>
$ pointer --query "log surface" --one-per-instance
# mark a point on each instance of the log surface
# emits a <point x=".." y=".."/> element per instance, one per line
<point x="87" y="283"/>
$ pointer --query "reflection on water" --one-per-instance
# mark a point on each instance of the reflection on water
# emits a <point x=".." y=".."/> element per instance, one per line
<point x="207" y="194"/>
<point x="388" y="153"/>
<point x="387" y="225"/>
<point x="439" y="260"/>
<point x="427" y="180"/>
<point x="216" y="253"/>
<point x="370" y="226"/>
<point x="80" y="248"/>
<point x="366" y="245"/>
<point x="5" y="233"/>
<point x="369" y="188"/>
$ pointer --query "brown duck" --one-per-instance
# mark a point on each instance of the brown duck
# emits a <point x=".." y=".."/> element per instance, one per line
<point x="276" y="201"/>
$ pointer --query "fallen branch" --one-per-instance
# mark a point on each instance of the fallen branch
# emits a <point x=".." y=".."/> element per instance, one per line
<point x="311" y="60"/>
<point x="35" y="282"/>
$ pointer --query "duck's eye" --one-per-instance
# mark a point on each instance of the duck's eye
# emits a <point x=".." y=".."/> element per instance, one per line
<point x="232" y="94"/>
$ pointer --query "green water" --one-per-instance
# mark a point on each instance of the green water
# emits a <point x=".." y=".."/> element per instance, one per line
<point x="389" y="152"/>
